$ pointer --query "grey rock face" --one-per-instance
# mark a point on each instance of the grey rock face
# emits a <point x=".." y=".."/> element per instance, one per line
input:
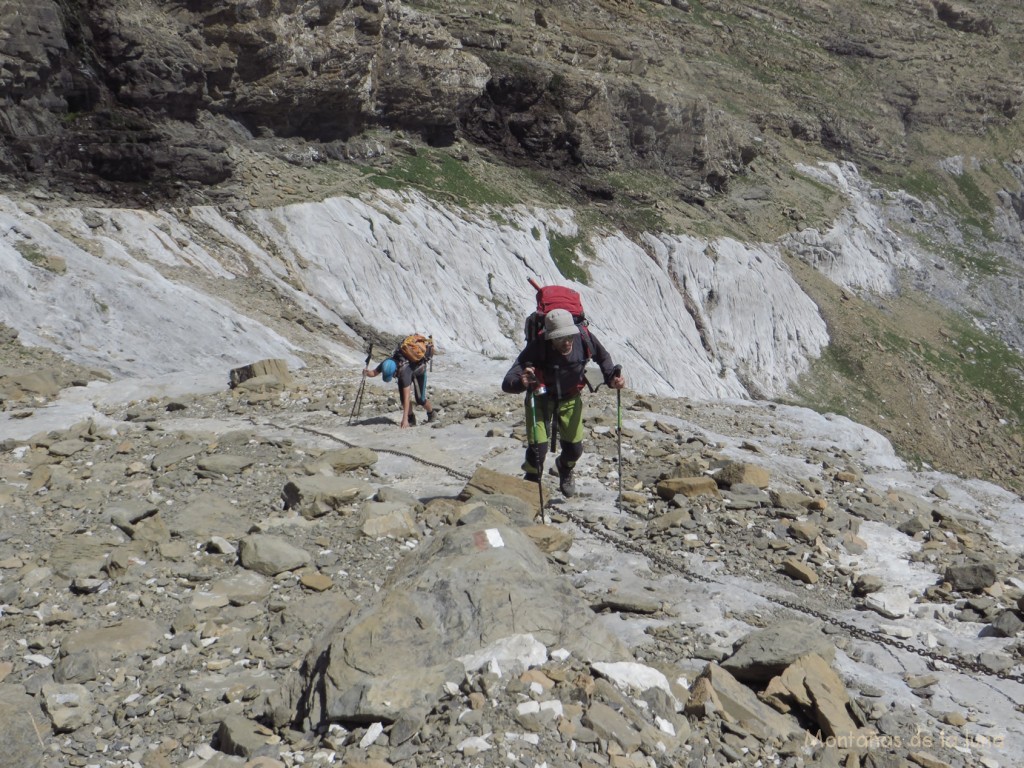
<point x="971" y="577"/>
<point x="465" y="589"/>
<point x="271" y="555"/>
<point x="110" y="92"/>
<point x="20" y="716"/>
<point x="764" y="654"/>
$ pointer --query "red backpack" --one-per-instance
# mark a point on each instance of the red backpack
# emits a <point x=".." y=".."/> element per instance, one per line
<point x="557" y="297"/>
<point x="553" y="297"/>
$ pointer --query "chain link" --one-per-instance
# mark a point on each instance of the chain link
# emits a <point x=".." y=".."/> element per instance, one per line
<point x="390" y="451"/>
<point x="676" y="565"/>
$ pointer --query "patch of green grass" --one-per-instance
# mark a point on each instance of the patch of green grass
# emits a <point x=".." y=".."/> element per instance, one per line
<point x="439" y="175"/>
<point x="980" y="263"/>
<point x="975" y="206"/>
<point x="976" y="200"/>
<point x="565" y="253"/>
<point x="923" y="185"/>
<point x="636" y="195"/>
<point x="35" y="256"/>
<point x="958" y="193"/>
<point x="32" y="254"/>
<point x="836" y="383"/>
<point x="984" y="362"/>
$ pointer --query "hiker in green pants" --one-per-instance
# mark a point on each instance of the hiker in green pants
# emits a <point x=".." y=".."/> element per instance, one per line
<point x="552" y="368"/>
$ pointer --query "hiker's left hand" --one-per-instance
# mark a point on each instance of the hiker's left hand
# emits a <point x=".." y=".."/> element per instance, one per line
<point x="618" y="382"/>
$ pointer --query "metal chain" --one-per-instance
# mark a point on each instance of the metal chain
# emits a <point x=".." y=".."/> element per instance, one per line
<point x="853" y="630"/>
<point x="676" y="565"/>
<point x="454" y="473"/>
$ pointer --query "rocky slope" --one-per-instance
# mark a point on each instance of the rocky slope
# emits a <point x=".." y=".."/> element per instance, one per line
<point x="172" y="566"/>
<point x="187" y="578"/>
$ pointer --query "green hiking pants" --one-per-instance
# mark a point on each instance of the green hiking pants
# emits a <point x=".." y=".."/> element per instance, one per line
<point x="570" y="431"/>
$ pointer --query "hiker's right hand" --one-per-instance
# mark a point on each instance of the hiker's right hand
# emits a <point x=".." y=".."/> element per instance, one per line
<point x="529" y="377"/>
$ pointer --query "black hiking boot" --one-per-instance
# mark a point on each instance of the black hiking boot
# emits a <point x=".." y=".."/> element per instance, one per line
<point x="431" y="416"/>
<point x="533" y="477"/>
<point x="566" y="483"/>
<point x="412" y="419"/>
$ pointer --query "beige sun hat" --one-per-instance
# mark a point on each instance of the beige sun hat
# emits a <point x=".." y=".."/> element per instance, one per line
<point x="558" y="324"/>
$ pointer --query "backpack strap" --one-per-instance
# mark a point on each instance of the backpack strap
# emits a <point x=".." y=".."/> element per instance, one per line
<point x="588" y="345"/>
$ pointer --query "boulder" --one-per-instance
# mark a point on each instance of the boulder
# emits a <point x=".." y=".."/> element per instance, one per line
<point x="687" y="486"/>
<point x="341" y="461"/>
<point x="129" y="636"/>
<point x="469" y="586"/>
<point x="970" y="577"/>
<point x="222" y="464"/>
<point x="812" y="685"/>
<point x="611" y="726"/>
<point x="741" y="473"/>
<point x="20" y="721"/>
<point x="206" y="515"/>
<point x="800" y="571"/>
<point x="19" y="386"/>
<point x="274" y="367"/>
<point x="765" y="653"/>
<point x="70" y="706"/>
<point x="718" y="692"/>
<point x="271" y="555"/>
<point x="238" y="735"/>
<point x="316" y="495"/>
<point x="487" y="481"/>
<point x="388" y="518"/>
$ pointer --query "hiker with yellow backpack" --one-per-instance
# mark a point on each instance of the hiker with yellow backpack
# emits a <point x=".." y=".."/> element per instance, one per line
<point x="409" y="363"/>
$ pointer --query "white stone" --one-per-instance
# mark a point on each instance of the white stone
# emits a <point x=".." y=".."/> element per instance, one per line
<point x="519" y="652"/>
<point x="372" y="734"/>
<point x="889" y="604"/>
<point x="632" y="676"/>
<point x="894" y="630"/>
<point x="473" y="745"/>
<point x="665" y="726"/>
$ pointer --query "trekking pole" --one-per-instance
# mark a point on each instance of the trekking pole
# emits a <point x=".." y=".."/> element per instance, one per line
<point x="554" y="412"/>
<point x="536" y="453"/>
<point x="618" y="428"/>
<point x="357" y="406"/>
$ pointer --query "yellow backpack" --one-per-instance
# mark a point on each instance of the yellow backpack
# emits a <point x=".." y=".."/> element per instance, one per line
<point x="417" y="348"/>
